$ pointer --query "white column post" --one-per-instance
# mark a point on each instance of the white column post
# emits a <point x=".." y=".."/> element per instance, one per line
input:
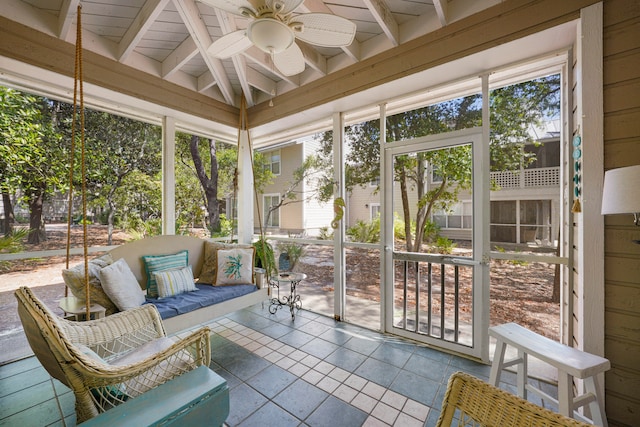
<point x="339" y="275"/>
<point x="481" y="228"/>
<point x="168" y="175"/>
<point x="589" y="309"/>
<point x="386" y="229"/>
<point x="245" y="189"/>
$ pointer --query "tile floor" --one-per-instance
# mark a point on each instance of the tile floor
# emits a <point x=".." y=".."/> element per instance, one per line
<point x="313" y="371"/>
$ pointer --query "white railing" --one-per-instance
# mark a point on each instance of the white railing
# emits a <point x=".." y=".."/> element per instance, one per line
<point x="527" y="178"/>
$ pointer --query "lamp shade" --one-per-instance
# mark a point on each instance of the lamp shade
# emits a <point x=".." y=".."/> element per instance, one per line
<point x="621" y="192"/>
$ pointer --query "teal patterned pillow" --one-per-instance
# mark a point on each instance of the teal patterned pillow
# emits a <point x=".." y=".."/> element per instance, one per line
<point x="235" y="266"/>
<point x="153" y="263"/>
<point x="174" y="282"/>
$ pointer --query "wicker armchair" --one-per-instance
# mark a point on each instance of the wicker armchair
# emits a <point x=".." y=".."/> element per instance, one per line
<point x="470" y="401"/>
<point x="108" y="361"/>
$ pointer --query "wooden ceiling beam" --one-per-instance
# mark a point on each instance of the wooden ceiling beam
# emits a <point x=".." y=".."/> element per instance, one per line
<point x="442" y="11"/>
<point x="385" y="19"/>
<point x="68" y="13"/>
<point x="138" y="28"/>
<point x="190" y="15"/>
<point x="180" y="56"/>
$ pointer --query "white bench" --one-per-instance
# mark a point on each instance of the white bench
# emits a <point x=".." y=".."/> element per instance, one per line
<point x="570" y="362"/>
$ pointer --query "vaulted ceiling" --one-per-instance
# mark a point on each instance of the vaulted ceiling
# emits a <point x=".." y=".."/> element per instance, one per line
<point x="171" y="37"/>
<point x="160" y="49"/>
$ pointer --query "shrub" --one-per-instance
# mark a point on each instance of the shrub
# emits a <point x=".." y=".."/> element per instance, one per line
<point x="142" y="229"/>
<point x="226" y="227"/>
<point x="444" y="245"/>
<point x="398" y="227"/>
<point x="325" y="234"/>
<point x="431" y="230"/>
<point x="12" y="243"/>
<point x="365" y="232"/>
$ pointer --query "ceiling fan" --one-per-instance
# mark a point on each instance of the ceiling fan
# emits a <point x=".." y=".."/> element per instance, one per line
<point x="273" y="29"/>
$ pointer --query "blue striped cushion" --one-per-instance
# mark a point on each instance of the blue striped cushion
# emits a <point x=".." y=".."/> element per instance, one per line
<point x="174" y="282"/>
<point x="153" y="263"/>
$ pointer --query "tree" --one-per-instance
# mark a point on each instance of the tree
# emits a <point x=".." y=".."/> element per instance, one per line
<point x="116" y="147"/>
<point x="138" y="201"/>
<point x="513" y="110"/>
<point x="192" y="179"/>
<point x="18" y="125"/>
<point x="209" y="183"/>
<point x="33" y="159"/>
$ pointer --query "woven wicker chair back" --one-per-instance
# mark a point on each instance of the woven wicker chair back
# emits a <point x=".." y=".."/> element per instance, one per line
<point x="470" y="401"/>
<point x="38" y="323"/>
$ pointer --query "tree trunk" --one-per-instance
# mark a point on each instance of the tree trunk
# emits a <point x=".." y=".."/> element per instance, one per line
<point x="36" y="223"/>
<point x="209" y="184"/>
<point x="404" y="193"/>
<point x="421" y="214"/>
<point x="110" y="217"/>
<point x="9" y="217"/>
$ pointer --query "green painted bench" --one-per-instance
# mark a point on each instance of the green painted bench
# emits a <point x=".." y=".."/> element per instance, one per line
<point x="196" y="398"/>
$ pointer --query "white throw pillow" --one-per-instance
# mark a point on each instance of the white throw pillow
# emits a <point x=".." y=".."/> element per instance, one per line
<point x="120" y="284"/>
<point x="174" y="282"/>
<point x="235" y="266"/>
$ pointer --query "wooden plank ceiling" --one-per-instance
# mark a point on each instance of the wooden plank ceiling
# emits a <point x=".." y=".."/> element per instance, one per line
<point x="170" y="38"/>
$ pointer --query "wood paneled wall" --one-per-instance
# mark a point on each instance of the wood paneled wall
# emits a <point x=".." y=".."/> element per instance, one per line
<point x="621" y="76"/>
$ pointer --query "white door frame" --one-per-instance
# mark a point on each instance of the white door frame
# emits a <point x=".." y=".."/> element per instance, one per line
<point x="474" y="136"/>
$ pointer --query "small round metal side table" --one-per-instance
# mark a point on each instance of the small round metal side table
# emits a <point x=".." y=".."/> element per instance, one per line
<point x="293" y="299"/>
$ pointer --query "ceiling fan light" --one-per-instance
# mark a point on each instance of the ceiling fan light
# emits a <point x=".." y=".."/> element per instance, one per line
<point x="270" y="35"/>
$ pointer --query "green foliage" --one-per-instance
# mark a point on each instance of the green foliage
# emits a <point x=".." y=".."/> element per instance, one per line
<point x="444" y="245"/>
<point x="190" y="198"/>
<point x="398" y="227"/>
<point x="137" y="200"/>
<point x="32" y="157"/>
<point x="138" y="229"/>
<point x="294" y="251"/>
<point x="365" y="231"/>
<point x="12" y="243"/>
<point x="431" y="230"/>
<point x="226" y="227"/>
<point x="265" y="257"/>
<point x="511" y="261"/>
<point x="513" y="110"/>
<point x="123" y="162"/>
<point x="79" y="219"/>
<point x="325" y="233"/>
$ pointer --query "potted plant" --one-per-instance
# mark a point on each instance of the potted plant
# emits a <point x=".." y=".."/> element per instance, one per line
<point x="265" y="257"/>
<point x="290" y="254"/>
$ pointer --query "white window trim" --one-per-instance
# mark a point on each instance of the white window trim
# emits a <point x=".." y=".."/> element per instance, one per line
<point x="371" y="206"/>
<point x="264" y="208"/>
<point x="270" y="155"/>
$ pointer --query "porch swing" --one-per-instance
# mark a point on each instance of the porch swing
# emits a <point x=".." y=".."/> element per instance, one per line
<point x="112" y="360"/>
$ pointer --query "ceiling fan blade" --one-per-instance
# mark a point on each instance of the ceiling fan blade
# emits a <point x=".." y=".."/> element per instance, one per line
<point x="232" y="6"/>
<point x="324" y="29"/>
<point x="290" y="61"/>
<point x="284" y="6"/>
<point x="230" y="44"/>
